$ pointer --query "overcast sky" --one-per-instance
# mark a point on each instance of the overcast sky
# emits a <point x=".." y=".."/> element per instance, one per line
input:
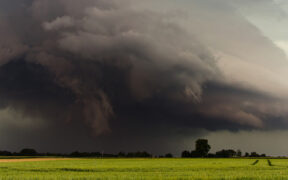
<point x="149" y="75"/>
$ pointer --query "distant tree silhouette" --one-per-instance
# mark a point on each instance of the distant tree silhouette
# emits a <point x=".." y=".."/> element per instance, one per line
<point x="5" y="153"/>
<point x="28" y="152"/>
<point x="169" y="155"/>
<point x="195" y="154"/>
<point x="186" y="154"/>
<point x="254" y="154"/>
<point x="202" y="147"/>
<point x="121" y="154"/>
<point x="211" y="155"/>
<point x="226" y="153"/>
<point x="247" y="154"/>
<point x="143" y="154"/>
<point x="239" y="153"/>
<point x="75" y="154"/>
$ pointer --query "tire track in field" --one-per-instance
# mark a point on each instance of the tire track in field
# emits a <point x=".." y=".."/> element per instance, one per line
<point x="269" y="162"/>
<point x="254" y="163"/>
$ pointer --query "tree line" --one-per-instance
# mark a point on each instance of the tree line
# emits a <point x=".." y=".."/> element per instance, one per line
<point x="202" y="149"/>
<point x="33" y="152"/>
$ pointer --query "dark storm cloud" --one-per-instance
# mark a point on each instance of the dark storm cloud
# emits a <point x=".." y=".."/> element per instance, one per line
<point x="148" y="55"/>
<point x="124" y="72"/>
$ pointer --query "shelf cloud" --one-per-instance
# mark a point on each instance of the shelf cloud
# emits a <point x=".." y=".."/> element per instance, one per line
<point x="109" y="70"/>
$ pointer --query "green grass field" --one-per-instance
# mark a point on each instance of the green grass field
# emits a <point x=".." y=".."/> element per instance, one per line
<point x="147" y="169"/>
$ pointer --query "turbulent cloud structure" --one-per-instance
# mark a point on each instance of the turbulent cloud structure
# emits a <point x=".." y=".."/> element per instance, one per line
<point x="125" y="68"/>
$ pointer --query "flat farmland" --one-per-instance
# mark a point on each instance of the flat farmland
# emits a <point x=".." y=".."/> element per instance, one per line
<point x="54" y="168"/>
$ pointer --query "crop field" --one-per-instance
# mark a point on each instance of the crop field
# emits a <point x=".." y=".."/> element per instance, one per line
<point x="144" y="169"/>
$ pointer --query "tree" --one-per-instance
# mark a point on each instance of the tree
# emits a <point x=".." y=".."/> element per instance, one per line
<point x="211" y="155"/>
<point x="186" y="154"/>
<point x="226" y="153"/>
<point x="247" y="154"/>
<point x="239" y="153"/>
<point x="254" y="154"/>
<point x="143" y="154"/>
<point x="202" y="147"/>
<point x="169" y="155"/>
<point x="28" y="152"/>
<point x="75" y="154"/>
<point x="121" y="154"/>
<point x="195" y="154"/>
<point x="5" y="153"/>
